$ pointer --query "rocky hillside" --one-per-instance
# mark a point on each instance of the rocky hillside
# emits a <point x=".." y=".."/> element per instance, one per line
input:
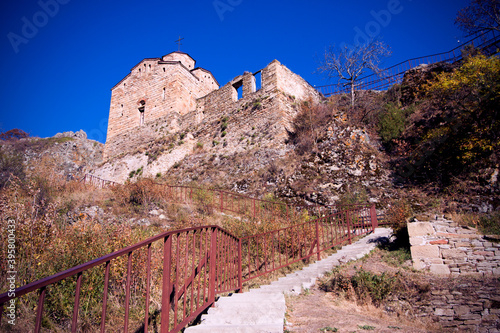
<point x="342" y="160"/>
<point x="69" y="154"/>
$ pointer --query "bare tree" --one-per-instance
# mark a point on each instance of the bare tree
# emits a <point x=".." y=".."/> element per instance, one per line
<point x="348" y="63"/>
<point x="480" y="16"/>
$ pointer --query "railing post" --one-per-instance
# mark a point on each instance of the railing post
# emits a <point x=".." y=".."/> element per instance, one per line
<point x="76" y="305"/>
<point x="240" y="266"/>
<point x="373" y="216"/>
<point x="166" y="289"/>
<point x="317" y="239"/>
<point x="39" y="310"/>
<point x="348" y="221"/>
<point x="105" y="297"/>
<point x="148" y="288"/>
<point x="213" y="266"/>
<point x="253" y="208"/>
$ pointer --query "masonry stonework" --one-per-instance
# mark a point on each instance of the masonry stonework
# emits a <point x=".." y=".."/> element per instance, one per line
<point x="448" y="249"/>
<point x="169" y="95"/>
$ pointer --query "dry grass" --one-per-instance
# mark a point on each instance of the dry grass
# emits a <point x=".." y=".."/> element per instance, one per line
<point x="337" y="302"/>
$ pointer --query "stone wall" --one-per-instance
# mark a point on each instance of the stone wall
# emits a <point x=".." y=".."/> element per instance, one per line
<point x="468" y="301"/>
<point x="445" y="248"/>
<point x="463" y="304"/>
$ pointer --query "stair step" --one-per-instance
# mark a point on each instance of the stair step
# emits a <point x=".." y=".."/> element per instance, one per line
<point x="263" y="309"/>
<point x="235" y="329"/>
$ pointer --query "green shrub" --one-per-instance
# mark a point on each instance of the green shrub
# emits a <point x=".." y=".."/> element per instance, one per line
<point x="392" y="122"/>
<point x="490" y="223"/>
<point x="367" y="286"/>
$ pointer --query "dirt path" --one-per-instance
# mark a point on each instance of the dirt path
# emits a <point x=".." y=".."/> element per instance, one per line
<point x="318" y="311"/>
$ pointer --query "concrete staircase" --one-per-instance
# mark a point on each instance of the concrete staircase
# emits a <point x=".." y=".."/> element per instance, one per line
<point x="263" y="309"/>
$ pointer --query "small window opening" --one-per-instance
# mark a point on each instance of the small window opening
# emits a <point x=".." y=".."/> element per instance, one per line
<point x="163" y="69"/>
<point x="238" y="86"/>
<point x="258" y="80"/>
<point x="141" y="113"/>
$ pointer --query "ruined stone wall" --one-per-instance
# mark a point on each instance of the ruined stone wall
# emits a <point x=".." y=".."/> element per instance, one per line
<point x="294" y="85"/>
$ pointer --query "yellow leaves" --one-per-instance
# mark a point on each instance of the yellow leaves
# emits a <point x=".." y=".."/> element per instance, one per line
<point x="478" y="71"/>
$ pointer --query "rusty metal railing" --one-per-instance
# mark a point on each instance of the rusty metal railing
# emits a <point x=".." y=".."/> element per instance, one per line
<point x="258" y="209"/>
<point x="267" y="252"/>
<point x="394" y="74"/>
<point x="229" y="202"/>
<point x="96" y="181"/>
<point x="196" y="264"/>
<point x="182" y="271"/>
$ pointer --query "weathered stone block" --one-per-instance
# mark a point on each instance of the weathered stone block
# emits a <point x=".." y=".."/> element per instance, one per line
<point x="425" y="251"/>
<point x="470" y="316"/>
<point x="453" y="235"/>
<point x="439" y="269"/>
<point x="417" y="240"/>
<point x="484" y="253"/>
<point x="420" y="229"/>
<point x="439" y="242"/>
<point x="444" y="312"/>
<point x="462" y="310"/>
<point x="453" y="254"/>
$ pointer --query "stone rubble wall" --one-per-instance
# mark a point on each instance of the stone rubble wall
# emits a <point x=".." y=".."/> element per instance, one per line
<point x="463" y="304"/>
<point x="470" y="300"/>
<point x="445" y="248"/>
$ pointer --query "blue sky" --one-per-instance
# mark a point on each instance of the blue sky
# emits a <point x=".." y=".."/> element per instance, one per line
<point x="60" y="58"/>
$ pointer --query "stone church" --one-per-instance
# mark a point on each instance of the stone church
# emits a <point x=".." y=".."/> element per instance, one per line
<point x="170" y="94"/>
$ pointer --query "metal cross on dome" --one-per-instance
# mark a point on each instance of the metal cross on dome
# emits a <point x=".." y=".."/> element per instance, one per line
<point x="179" y="42"/>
